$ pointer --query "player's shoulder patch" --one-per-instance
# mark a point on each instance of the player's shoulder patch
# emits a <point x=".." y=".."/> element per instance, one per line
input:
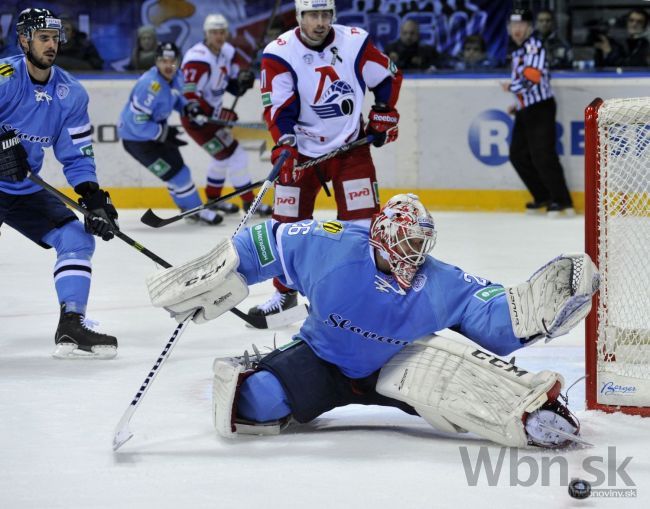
<point x="330" y="229"/>
<point x="261" y="241"/>
<point x="6" y="69"/>
<point x="489" y="292"/>
<point x="155" y="86"/>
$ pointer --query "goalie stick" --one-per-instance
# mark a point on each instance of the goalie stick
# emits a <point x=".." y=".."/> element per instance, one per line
<point x="122" y="431"/>
<point x="257" y="322"/>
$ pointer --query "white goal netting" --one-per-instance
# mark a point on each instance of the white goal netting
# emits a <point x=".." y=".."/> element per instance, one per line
<point x="623" y="361"/>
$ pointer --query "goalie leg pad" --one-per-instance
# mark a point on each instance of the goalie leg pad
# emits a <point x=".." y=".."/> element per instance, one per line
<point x="208" y="284"/>
<point x="457" y="388"/>
<point x="554" y="299"/>
<point x="230" y="375"/>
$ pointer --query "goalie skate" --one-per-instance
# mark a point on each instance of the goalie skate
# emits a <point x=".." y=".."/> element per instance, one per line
<point x="75" y="340"/>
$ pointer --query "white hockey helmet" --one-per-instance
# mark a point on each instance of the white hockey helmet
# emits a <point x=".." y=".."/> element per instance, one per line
<point x="315" y="5"/>
<point x="215" y="22"/>
<point x="404" y="232"/>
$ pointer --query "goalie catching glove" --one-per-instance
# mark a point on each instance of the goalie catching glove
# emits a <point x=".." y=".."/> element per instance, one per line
<point x="554" y="299"/>
<point x="203" y="288"/>
<point x="13" y="158"/>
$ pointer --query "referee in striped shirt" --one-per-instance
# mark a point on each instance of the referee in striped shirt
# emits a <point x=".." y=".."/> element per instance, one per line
<point x="532" y="149"/>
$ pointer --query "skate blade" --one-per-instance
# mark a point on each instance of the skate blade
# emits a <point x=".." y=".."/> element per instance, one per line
<point x="569" y="436"/>
<point x="536" y="212"/>
<point x="561" y="214"/>
<point x="70" y="351"/>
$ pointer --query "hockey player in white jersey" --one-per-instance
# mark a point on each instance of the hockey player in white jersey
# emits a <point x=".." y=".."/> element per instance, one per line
<point x="313" y="82"/>
<point x="375" y="299"/>
<point x="42" y="106"/>
<point x="210" y="69"/>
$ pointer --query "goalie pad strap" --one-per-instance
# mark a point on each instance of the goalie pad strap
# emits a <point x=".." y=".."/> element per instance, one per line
<point x="458" y="388"/>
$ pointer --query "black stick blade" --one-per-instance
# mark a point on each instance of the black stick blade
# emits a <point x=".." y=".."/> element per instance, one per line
<point x="151" y="219"/>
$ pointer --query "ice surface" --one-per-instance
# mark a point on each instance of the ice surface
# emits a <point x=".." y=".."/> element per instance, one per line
<point x="58" y="417"/>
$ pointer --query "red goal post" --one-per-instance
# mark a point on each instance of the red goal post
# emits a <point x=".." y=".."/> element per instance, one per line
<point x="617" y="237"/>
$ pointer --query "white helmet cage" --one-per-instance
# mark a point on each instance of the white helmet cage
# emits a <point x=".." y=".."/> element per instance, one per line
<point x="315" y="5"/>
<point x="405" y="232"/>
<point x="215" y="22"/>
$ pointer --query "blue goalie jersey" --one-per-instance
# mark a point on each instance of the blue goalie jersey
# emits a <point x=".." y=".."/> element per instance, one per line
<point x="52" y="114"/>
<point x="359" y="317"/>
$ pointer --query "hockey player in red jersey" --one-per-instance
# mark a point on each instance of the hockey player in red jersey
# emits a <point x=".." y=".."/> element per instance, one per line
<point x="210" y="69"/>
<point x="313" y="82"/>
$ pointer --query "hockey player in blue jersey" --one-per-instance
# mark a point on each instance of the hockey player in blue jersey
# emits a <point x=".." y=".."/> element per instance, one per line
<point x="376" y="298"/>
<point x="43" y="106"/>
<point x="148" y="137"/>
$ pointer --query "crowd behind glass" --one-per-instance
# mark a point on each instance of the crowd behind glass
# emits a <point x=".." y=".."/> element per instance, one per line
<point x="617" y="42"/>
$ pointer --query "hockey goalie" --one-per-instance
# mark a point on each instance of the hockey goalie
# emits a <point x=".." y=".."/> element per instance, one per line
<point x="376" y="296"/>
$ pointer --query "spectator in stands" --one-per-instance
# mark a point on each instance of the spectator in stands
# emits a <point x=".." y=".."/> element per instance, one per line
<point x="633" y="52"/>
<point x="407" y="52"/>
<point x="7" y="49"/>
<point x="558" y="51"/>
<point x="78" y="53"/>
<point x="144" y="52"/>
<point x="474" y="55"/>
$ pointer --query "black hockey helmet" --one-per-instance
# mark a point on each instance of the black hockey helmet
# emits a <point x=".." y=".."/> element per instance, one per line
<point x="521" y="14"/>
<point x="168" y="50"/>
<point x="32" y="19"/>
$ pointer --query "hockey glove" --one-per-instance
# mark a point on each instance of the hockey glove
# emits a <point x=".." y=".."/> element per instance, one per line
<point x="288" y="175"/>
<point x="13" y="158"/>
<point x="227" y="115"/>
<point x="382" y="124"/>
<point x="245" y="80"/>
<point x="195" y="114"/>
<point x="172" y="137"/>
<point x="104" y="219"/>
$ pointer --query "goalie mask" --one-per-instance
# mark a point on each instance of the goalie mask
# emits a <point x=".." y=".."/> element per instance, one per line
<point x="404" y="233"/>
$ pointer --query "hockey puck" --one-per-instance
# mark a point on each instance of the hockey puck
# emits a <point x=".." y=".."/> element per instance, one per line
<point x="579" y="488"/>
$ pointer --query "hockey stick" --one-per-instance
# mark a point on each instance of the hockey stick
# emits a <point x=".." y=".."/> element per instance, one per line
<point x="258" y="322"/>
<point x="151" y="219"/>
<point x="122" y="431"/>
<point x="246" y="125"/>
<point x="336" y="152"/>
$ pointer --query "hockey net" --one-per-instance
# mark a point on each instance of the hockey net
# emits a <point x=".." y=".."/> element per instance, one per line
<point x="617" y="234"/>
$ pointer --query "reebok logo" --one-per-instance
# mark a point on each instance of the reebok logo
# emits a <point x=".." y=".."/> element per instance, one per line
<point x="384" y="118"/>
<point x="11" y="142"/>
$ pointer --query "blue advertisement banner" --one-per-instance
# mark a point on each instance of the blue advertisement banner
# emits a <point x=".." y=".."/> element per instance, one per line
<point x="112" y="25"/>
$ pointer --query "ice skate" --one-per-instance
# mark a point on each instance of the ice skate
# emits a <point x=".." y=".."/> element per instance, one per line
<point x="205" y="218"/>
<point x="557" y="210"/>
<point x="226" y="207"/>
<point x="263" y="209"/>
<point x="74" y="340"/>
<point x="278" y="302"/>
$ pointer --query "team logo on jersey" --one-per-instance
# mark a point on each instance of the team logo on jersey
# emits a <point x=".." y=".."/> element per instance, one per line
<point x="392" y="67"/>
<point x="213" y="146"/>
<point x="154" y="87"/>
<point x="6" y="70"/>
<point x="418" y="282"/>
<point x="266" y="99"/>
<point x="62" y="91"/>
<point x="336" y="101"/>
<point x="42" y="95"/>
<point x="308" y="59"/>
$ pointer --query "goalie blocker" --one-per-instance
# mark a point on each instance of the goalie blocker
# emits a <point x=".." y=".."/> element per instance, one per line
<point x="455" y="387"/>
